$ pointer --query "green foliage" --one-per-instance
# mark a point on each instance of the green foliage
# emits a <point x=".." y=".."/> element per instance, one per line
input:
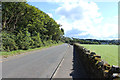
<point x="62" y="31"/>
<point x="36" y="41"/>
<point x="77" y="40"/>
<point x="45" y="43"/>
<point x="30" y="26"/>
<point x="23" y="40"/>
<point x="8" y="42"/>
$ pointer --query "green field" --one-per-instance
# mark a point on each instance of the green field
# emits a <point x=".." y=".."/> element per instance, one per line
<point x="109" y="53"/>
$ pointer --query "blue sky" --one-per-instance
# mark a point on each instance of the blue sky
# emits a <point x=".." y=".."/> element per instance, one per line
<point x="82" y="19"/>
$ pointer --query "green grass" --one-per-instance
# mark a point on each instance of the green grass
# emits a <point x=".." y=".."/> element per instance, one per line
<point x="109" y="53"/>
<point x="12" y="53"/>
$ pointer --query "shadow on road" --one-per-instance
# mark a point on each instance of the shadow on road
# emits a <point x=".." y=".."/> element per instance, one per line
<point x="78" y="71"/>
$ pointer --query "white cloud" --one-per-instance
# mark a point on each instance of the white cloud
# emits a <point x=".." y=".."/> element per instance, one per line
<point x="70" y="11"/>
<point x="82" y="34"/>
<point x="86" y="17"/>
<point x="104" y="31"/>
<point x="50" y="14"/>
<point x="65" y="24"/>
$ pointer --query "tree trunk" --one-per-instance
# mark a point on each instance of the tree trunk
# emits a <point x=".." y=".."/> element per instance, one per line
<point x="15" y="22"/>
<point x="4" y="22"/>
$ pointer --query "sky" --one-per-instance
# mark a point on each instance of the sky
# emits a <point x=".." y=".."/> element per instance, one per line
<point x="83" y="19"/>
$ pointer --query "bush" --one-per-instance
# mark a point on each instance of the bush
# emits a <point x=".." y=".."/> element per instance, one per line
<point x="8" y="42"/>
<point x="54" y="42"/>
<point x="45" y="43"/>
<point x="23" y="40"/>
<point x="50" y="42"/>
<point x="36" y="41"/>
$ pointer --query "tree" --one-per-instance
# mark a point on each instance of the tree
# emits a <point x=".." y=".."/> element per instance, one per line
<point x="62" y="31"/>
<point x="30" y="26"/>
<point x="12" y="12"/>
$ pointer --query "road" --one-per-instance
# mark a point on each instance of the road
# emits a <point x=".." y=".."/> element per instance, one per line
<point x="37" y="64"/>
<point x="71" y="67"/>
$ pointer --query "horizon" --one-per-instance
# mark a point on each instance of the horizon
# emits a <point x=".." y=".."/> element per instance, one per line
<point x="95" y="39"/>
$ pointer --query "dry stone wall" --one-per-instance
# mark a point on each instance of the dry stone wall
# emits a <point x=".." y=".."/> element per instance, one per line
<point x="95" y="66"/>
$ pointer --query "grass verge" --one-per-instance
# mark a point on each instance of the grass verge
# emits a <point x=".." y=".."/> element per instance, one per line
<point x="6" y="54"/>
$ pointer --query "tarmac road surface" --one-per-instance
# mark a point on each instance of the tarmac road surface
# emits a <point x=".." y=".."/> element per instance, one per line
<point x="36" y="64"/>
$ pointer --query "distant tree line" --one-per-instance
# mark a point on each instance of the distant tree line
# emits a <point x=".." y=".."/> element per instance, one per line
<point x="90" y="41"/>
<point x="77" y="40"/>
<point x="25" y="26"/>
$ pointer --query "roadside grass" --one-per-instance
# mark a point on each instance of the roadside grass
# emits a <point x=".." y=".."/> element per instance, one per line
<point x="109" y="53"/>
<point x="6" y="54"/>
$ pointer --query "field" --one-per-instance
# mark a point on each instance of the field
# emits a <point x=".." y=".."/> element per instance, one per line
<point x="109" y="53"/>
